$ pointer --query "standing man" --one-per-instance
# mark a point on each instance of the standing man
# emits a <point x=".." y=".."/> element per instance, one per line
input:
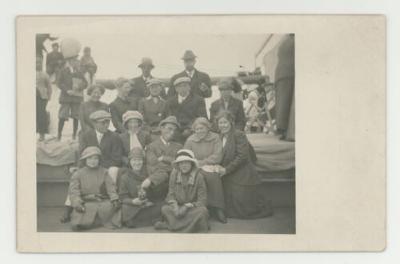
<point x="229" y="103"/>
<point x="284" y="85"/>
<point x="71" y="83"/>
<point x="200" y="82"/>
<point x="186" y="107"/>
<point x="139" y="87"/>
<point x="54" y="61"/>
<point x="88" y="66"/>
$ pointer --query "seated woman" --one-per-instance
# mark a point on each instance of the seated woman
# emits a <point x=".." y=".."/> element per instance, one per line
<point x="243" y="197"/>
<point x="186" y="210"/>
<point x="93" y="195"/>
<point x="140" y="206"/>
<point x="134" y="136"/>
<point x="207" y="149"/>
<point x="93" y="104"/>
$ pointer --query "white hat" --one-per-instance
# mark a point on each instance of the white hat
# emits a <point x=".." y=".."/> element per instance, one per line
<point x="128" y="115"/>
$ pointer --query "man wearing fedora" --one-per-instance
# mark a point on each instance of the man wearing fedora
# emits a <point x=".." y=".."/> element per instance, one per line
<point x="200" y="82"/>
<point x="140" y="83"/>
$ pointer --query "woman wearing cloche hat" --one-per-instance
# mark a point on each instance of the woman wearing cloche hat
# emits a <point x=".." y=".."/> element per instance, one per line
<point x="186" y="210"/>
<point x="140" y="206"/>
<point x="135" y="135"/>
<point x="93" y="195"/>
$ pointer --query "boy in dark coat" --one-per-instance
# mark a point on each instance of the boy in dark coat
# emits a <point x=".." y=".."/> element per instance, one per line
<point x="71" y="83"/>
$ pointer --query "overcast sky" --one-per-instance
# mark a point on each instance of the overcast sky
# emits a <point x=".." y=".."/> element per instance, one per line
<point x="119" y="54"/>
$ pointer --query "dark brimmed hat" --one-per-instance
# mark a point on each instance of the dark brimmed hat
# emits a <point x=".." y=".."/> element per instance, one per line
<point x="170" y="120"/>
<point x="189" y="55"/>
<point x="225" y="84"/>
<point x="146" y="62"/>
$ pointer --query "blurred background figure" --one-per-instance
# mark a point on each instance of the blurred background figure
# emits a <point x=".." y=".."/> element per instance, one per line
<point x="43" y="95"/>
<point x="88" y="66"/>
<point x="40" y="48"/>
<point x="284" y="85"/>
<point x="54" y="62"/>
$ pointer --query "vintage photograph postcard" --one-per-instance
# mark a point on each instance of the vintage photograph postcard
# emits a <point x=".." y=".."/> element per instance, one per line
<point x="201" y="133"/>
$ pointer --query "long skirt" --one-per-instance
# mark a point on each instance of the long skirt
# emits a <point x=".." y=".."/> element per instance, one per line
<point x="41" y="115"/>
<point x="195" y="220"/>
<point x="215" y="191"/>
<point x="284" y="94"/>
<point x="137" y="216"/>
<point x="245" y="202"/>
<point x="96" y="214"/>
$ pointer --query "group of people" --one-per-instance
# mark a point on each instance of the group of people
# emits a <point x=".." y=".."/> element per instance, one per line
<point x="166" y="164"/>
<point x="72" y="76"/>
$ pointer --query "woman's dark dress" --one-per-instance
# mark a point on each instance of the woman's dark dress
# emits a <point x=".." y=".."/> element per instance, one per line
<point x="129" y="184"/>
<point x="242" y="185"/>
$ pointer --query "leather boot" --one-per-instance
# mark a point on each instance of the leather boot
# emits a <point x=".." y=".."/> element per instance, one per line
<point x="66" y="217"/>
<point x="220" y="215"/>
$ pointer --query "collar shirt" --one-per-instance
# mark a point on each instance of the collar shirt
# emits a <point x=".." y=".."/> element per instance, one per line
<point x="99" y="136"/>
<point x="223" y="141"/>
<point x="134" y="141"/>
<point x="181" y="98"/>
<point x="163" y="141"/>
<point x="190" y="73"/>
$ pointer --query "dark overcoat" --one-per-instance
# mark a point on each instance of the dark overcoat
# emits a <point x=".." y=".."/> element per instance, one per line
<point x="143" y="137"/>
<point x="235" y="107"/>
<point x="110" y="146"/>
<point x="65" y="83"/>
<point x="197" y="79"/>
<point x="118" y="107"/>
<point x="237" y="160"/>
<point x="187" y="111"/>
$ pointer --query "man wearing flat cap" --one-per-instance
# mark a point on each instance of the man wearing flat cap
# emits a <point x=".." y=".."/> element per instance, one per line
<point x="109" y="142"/>
<point x="160" y="154"/>
<point x="200" y="82"/>
<point x="185" y="106"/>
<point x="140" y="83"/>
<point x="229" y="103"/>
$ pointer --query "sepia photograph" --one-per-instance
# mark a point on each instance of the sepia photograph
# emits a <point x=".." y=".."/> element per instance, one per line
<point x="165" y="133"/>
<point x="201" y="133"/>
